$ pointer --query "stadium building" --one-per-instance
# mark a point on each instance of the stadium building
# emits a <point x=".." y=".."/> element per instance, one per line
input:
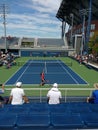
<point x="73" y="113"/>
<point x="35" y="47"/>
<point x="82" y="18"/>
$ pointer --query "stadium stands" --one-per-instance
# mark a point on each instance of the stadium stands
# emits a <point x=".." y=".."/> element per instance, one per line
<point x="7" y="122"/>
<point x="46" y="42"/>
<point x="27" y="42"/>
<point x="35" y="46"/>
<point x="10" y="41"/>
<point x="67" y="121"/>
<point x="29" y="122"/>
<point x="42" y="116"/>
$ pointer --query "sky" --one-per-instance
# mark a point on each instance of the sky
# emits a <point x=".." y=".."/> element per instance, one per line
<point x="31" y="18"/>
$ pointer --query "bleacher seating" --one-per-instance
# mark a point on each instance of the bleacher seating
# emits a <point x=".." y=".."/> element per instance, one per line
<point x="46" y="42"/>
<point x="90" y="120"/>
<point x="67" y="121"/>
<point x="10" y="41"/>
<point x="33" y="121"/>
<point x="7" y="121"/>
<point x="27" y="42"/>
<point x="42" y="116"/>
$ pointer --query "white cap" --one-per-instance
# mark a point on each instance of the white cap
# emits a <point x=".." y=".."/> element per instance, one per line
<point x="18" y="84"/>
<point x="55" y="85"/>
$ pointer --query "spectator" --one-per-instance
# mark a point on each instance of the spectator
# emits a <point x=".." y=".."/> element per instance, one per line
<point x="1" y="92"/>
<point x="94" y="96"/>
<point x="54" y="95"/>
<point x="17" y="95"/>
<point x="2" y="89"/>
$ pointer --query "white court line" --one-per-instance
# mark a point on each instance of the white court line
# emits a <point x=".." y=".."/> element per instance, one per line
<point x="79" y="75"/>
<point x="23" y="72"/>
<point x="45" y="67"/>
<point x="14" y="74"/>
<point x="68" y="73"/>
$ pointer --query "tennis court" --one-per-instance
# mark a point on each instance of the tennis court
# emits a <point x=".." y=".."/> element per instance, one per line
<point x="55" y="71"/>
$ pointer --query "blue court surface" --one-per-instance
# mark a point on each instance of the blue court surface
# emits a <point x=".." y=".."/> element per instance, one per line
<point x="55" y="71"/>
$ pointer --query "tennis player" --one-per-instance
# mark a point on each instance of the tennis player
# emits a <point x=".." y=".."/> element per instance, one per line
<point x="42" y="76"/>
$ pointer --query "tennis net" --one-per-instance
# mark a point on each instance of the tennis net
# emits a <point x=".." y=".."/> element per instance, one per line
<point x="48" y="64"/>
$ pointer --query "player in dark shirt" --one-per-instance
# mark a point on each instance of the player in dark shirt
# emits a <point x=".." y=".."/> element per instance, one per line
<point x="42" y="76"/>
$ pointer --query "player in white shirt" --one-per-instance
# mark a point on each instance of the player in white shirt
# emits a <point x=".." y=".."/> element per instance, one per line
<point x="54" y="95"/>
<point x="17" y="95"/>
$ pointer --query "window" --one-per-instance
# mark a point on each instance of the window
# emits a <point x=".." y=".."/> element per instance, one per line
<point x="91" y="34"/>
<point x="92" y="26"/>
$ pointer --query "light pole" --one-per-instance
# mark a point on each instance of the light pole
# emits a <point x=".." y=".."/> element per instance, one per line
<point x="72" y="18"/>
<point x="4" y="11"/>
<point x="63" y="27"/>
<point x="83" y="12"/>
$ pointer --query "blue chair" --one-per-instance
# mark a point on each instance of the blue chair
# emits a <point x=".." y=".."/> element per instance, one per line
<point x="94" y="108"/>
<point x="42" y="105"/>
<point x="80" y="109"/>
<point x="58" y="109"/>
<point x="17" y="109"/>
<point x="3" y="110"/>
<point x="30" y="122"/>
<point x="66" y="121"/>
<point x="7" y="122"/>
<point x="39" y="109"/>
<point x="90" y="120"/>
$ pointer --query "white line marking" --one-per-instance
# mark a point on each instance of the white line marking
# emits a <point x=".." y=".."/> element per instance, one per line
<point x="23" y="72"/>
<point x="68" y="73"/>
<point x="45" y="67"/>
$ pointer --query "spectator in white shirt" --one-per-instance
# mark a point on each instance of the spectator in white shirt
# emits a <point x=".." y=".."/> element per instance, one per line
<point x="17" y="95"/>
<point x="54" y="95"/>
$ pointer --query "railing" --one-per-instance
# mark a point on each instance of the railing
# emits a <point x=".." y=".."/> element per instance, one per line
<point x="68" y="94"/>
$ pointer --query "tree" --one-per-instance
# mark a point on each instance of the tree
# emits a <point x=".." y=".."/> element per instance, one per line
<point x="95" y="49"/>
<point x="93" y="46"/>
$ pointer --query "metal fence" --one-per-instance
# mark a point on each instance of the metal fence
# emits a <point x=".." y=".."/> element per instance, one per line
<point x="68" y="94"/>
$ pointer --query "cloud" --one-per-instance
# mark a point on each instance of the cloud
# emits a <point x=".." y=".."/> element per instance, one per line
<point x="36" y="19"/>
<point x="33" y="17"/>
<point x="46" y="5"/>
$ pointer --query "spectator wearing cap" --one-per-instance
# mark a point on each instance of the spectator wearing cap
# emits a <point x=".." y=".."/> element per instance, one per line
<point x="54" y="95"/>
<point x="17" y="95"/>
<point x="94" y="96"/>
